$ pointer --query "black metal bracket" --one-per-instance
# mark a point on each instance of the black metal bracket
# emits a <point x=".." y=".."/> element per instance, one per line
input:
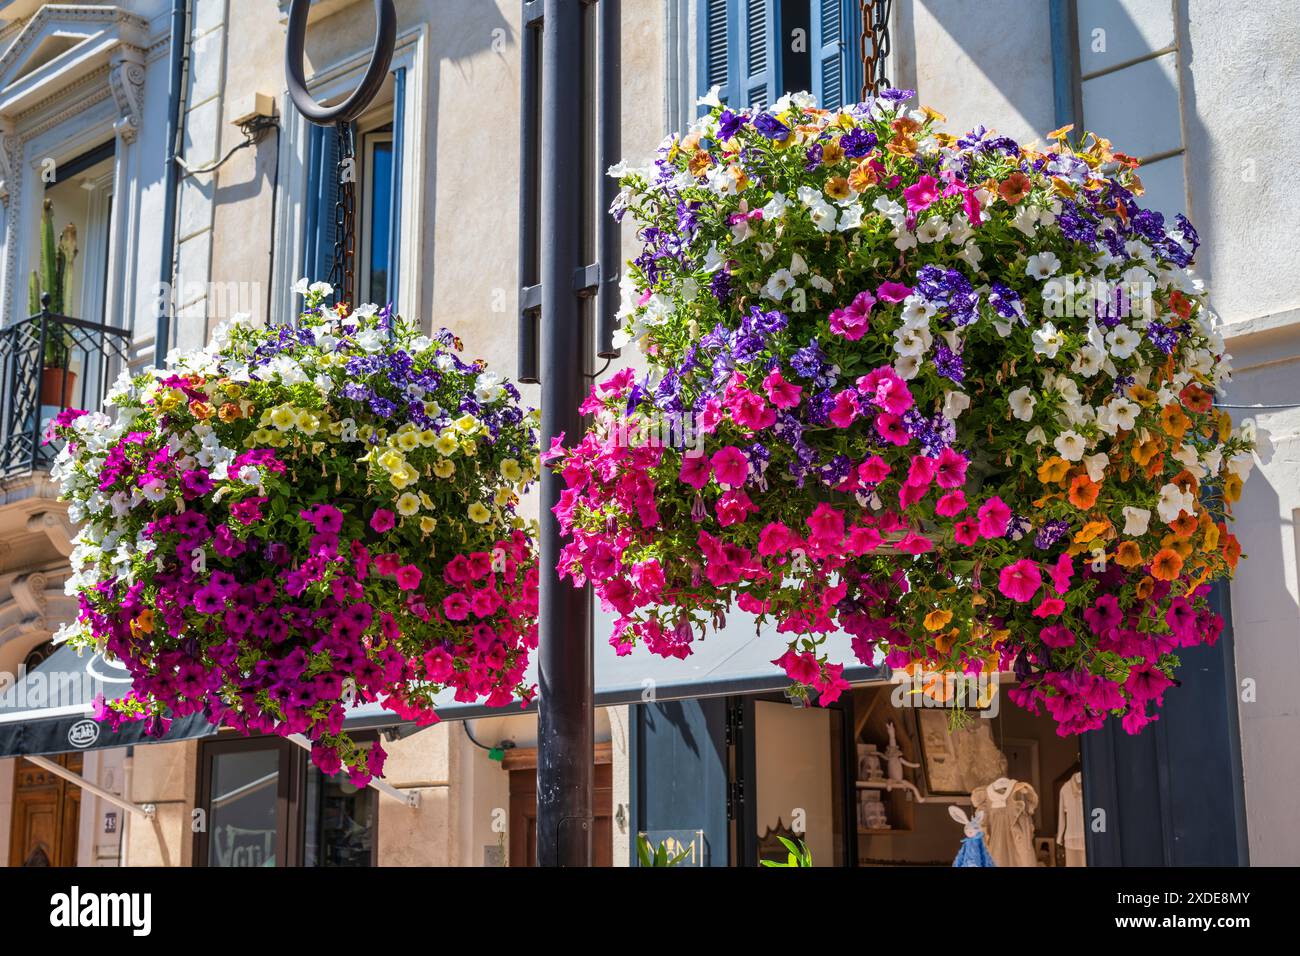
<point x="380" y="59"/>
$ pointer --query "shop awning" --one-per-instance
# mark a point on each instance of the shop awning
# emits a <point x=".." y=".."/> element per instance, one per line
<point x="48" y="711"/>
<point x="731" y="660"/>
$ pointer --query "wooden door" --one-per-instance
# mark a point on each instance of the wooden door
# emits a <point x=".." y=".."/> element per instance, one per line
<point x="46" y="815"/>
<point x="521" y="764"/>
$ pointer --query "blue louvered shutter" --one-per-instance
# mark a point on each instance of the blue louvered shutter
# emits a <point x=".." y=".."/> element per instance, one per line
<point x="395" y="192"/>
<point x="759" y="65"/>
<point x="322" y="196"/>
<point x="830" y="50"/>
<point x="718" y="48"/>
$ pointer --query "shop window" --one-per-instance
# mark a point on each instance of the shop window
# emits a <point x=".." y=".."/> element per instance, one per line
<point x="264" y="804"/>
<point x="754" y="50"/>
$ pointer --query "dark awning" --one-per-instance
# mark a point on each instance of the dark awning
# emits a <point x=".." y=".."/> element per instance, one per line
<point x="48" y="711"/>
<point x="735" y="659"/>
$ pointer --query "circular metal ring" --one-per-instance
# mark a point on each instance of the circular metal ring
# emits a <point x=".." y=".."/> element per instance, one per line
<point x="354" y="105"/>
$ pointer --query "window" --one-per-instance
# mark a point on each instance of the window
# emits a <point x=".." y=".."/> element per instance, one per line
<point x="1117" y="73"/>
<point x="755" y="50"/>
<point x="79" y="204"/>
<point x="266" y="805"/>
<point x="377" y="177"/>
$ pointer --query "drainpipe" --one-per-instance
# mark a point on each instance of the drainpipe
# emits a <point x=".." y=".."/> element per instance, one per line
<point x="178" y="57"/>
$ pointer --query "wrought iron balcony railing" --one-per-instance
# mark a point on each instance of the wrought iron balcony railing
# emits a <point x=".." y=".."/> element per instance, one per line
<point x="48" y="363"/>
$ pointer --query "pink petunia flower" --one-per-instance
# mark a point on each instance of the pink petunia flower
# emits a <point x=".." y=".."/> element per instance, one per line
<point x="994" y="516"/>
<point x="853" y="320"/>
<point x="950" y="468"/>
<point x="781" y="393"/>
<point x="382" y="520"/>
<point x="924" y="193"/>
<point x="695" y="470"/>
<point x="892" y="292"/>
<point x="730" y="466"/>
<point x="1020" y="581"/>
<point x="951" y="504"/>
<point x="845" y="409"/>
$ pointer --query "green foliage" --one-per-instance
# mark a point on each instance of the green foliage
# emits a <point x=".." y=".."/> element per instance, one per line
<point x="799" y="855"/>
<point x="648" y="855"/>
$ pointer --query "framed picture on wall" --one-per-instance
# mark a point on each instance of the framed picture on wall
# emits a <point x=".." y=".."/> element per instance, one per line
<point x="957" y="759"/>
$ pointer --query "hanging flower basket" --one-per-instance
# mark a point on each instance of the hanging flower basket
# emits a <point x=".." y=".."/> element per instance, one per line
<point x="948" y="394"/>
<point x="299" y="519"/>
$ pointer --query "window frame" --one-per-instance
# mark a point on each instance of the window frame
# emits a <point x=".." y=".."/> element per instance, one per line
<point x="291" y="794"/>
<point x="330" y="82"/>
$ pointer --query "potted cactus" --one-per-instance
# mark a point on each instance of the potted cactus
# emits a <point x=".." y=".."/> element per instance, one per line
<point x="48" y="291"/>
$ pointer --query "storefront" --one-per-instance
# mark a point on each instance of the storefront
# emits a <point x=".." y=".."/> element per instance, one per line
<point x="886" y="775"/>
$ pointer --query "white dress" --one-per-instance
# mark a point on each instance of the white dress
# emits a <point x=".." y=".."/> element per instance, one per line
<point x="1008" y="807"/>
<point x="1069" y="821"/>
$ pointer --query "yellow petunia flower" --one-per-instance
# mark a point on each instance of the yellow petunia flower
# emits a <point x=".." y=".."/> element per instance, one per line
<point x="407" y="504"/>
<point x="444" y="469"/>
<point x="478" y="513"/>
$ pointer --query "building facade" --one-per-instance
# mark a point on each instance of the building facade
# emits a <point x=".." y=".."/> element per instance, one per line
<point x="703" y="757"/>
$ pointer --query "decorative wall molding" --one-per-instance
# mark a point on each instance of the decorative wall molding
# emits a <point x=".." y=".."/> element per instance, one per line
<point x="126" y="80"/>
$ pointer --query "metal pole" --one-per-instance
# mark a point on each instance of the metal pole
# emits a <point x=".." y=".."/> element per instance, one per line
<point x="565" y="719"/>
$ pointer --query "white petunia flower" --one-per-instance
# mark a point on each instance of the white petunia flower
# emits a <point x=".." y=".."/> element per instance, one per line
<point x="1022" y="403"/>
<point x="1048" y="340"/>
<point x="1136" y="520"/>
<point x="1070" y="445"/>
<point x="1173" y="502"/>
<point x="1123" y="341"/>
<point x="1042" y="265"/>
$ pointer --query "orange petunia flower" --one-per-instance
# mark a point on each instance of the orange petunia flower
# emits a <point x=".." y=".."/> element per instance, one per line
<point x="1174" y="421"/>
<point x="1196" y="398"/>
<point x="1083" y="492"/>
<point x="1232" y="487"/>
<point x="1144" y="452"/>
<point x="837" y="187"/>
<point x="863" y="177"/>
<point x="1210" y="541"/>
<point x="1141" y="394"/>
<point x="1091" y="531"/>
<point x="700" y="163"/>
<point x="1166" y="564"/>
<point x="937" y="619"/>
<point x="1014" y="188"/>
<point x="1053" y="471"/>
<point x="1128" y="554"/>
<point x="1145" y="587"/>
<point x="1231" y="549"/>
<point x="832" y="152"/>
<point x="1184" y="525"/>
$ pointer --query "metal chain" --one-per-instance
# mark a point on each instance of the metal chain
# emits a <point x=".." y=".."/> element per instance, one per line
<point x="874" y="45"/>
<point x="342" y="276"/>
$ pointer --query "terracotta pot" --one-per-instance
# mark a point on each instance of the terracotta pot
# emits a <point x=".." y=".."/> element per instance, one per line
<point x="57" y="387"/>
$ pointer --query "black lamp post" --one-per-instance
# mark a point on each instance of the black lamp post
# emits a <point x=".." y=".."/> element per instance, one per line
<point x="565" y="718"/>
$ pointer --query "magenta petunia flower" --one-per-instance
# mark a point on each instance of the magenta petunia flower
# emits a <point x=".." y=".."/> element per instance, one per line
<point x="922" y="194"/>
<point x="853" y="320"/>
<point x="893" y="292"/>
<point x="993" y="516"/>
<point x="781" y="393"/>
<point x="382" y="520"/>
<point x="1020" y="581"/>
<point x="696" y="470"/>
<point x="730" y="466"/>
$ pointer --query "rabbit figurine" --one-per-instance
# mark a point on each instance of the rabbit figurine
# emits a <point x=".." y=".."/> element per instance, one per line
<point x="973" y="851"/>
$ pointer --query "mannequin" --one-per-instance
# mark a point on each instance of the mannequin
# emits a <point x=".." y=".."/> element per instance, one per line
<point x="1069" y="820"/>
<point x="1008" y="807"/>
